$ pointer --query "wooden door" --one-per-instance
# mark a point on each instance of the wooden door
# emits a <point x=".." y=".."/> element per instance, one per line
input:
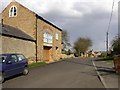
<point x="46" y="53"/>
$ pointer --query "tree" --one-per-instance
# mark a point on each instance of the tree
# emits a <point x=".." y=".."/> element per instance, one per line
<point x="82" y="45"/>
<point x="65" y="40"/>
<point x="116" y="46"/>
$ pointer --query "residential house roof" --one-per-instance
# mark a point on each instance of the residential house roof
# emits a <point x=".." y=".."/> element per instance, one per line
<point x="41" y="18"/>
<point x="6" y="30"/>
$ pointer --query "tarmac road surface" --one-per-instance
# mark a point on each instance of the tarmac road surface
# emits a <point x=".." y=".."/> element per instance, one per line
<point x="71" y="73"/>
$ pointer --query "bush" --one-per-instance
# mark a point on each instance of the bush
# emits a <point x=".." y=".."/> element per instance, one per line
<point x="108" y="58"/>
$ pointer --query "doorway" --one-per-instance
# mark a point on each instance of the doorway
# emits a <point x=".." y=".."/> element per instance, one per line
<point x="46" y="53"/>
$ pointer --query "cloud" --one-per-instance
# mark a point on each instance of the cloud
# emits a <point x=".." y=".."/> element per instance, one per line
<point x="81" y="18"/>
<point x="93" y="24"/>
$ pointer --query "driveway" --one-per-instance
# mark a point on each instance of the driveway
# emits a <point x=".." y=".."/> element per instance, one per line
<point x="71" y="73"/>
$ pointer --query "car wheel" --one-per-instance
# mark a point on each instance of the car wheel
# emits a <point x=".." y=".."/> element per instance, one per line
<point x="1" y="77"/>
<point x="26" y="71"/>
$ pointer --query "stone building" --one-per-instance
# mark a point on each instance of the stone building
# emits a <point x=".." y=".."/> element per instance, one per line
<point x="16" y="41"/>
<point x="46" y="37"/>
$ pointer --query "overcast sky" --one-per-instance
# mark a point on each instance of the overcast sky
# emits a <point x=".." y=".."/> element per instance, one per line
<point x="81" y="18"/>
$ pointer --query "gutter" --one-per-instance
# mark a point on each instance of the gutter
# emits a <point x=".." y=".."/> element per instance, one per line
<point x="100" y="77"/>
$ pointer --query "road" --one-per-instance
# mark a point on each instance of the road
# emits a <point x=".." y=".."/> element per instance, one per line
<point x="72" y="73"/>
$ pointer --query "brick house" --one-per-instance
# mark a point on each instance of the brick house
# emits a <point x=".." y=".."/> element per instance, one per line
<point x="46" y="37"/>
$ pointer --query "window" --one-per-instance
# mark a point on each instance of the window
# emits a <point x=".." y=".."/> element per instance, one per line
<point x="57" y="36"/>
<point x="20" y="58"/>
<point x="48" y="38"/>
<point x="13" y="58"/>
<point x="13" y="11"/>
<point x="3" y="58"/>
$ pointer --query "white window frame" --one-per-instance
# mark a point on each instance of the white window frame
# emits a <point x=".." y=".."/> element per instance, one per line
<point x="12" y="11"/>
<point x="57" y="36"/>
<point x="48" y="38"/>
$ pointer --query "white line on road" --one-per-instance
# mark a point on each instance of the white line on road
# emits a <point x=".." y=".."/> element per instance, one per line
<point x="101" y="78"/>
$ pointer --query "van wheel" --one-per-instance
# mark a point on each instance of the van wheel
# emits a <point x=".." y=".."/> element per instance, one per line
<point x="26" y="71"/>
<point x="2" y="77"/>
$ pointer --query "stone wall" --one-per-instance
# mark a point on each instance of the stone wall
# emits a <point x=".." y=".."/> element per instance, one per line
<point x="25" y="19"/>
<point x="13" y="45"/>
<point x="42" y="27"/>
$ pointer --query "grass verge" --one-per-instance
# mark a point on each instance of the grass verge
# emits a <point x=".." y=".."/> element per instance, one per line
<point x="33" y="65"/>
<point x="108" y="59"/>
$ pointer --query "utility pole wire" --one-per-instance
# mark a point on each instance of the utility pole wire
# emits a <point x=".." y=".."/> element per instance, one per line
<point x="110" y="17"/>
<point x="107" y="33"/>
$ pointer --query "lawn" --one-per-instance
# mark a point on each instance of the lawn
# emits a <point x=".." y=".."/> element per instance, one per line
<point x="33" y="65"/>
<point x="108" y="59"/>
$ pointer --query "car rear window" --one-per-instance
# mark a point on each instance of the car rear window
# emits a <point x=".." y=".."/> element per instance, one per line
<point x="3" y="58"/>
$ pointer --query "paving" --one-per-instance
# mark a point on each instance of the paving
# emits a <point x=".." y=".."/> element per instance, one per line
<point x="107" y="73"/>
<point x="71" y="73"/>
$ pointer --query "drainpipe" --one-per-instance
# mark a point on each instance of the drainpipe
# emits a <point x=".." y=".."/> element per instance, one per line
<point x="2" y="23"/>
<point x="36" y="39"/>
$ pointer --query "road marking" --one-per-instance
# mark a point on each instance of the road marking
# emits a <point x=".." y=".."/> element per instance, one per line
<point x="100" y="77"/>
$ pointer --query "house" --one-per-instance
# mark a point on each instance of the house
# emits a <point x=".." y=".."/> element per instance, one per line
<point x="92" y="53"/>
<point x="30" y="34"/>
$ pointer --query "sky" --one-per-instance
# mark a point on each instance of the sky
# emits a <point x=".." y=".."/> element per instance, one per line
<point x="80" y="18"/>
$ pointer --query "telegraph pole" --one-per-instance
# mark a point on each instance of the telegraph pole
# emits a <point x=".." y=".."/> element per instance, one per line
<point x="107" y="42"/>
<point x="107" y="33"/>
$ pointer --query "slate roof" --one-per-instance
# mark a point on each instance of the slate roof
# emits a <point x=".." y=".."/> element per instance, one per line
<point x="41" y="18"/>
<point x="10" y="31"/>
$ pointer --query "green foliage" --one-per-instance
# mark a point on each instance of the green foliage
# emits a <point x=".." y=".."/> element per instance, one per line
<point x="103" y="54"/>
<point x="116" y="46"/>
<point x="108" y="59"/>
<point x="82" y="45"/>
<point x="33" y="65"/>
<point x="67" y="52"/>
